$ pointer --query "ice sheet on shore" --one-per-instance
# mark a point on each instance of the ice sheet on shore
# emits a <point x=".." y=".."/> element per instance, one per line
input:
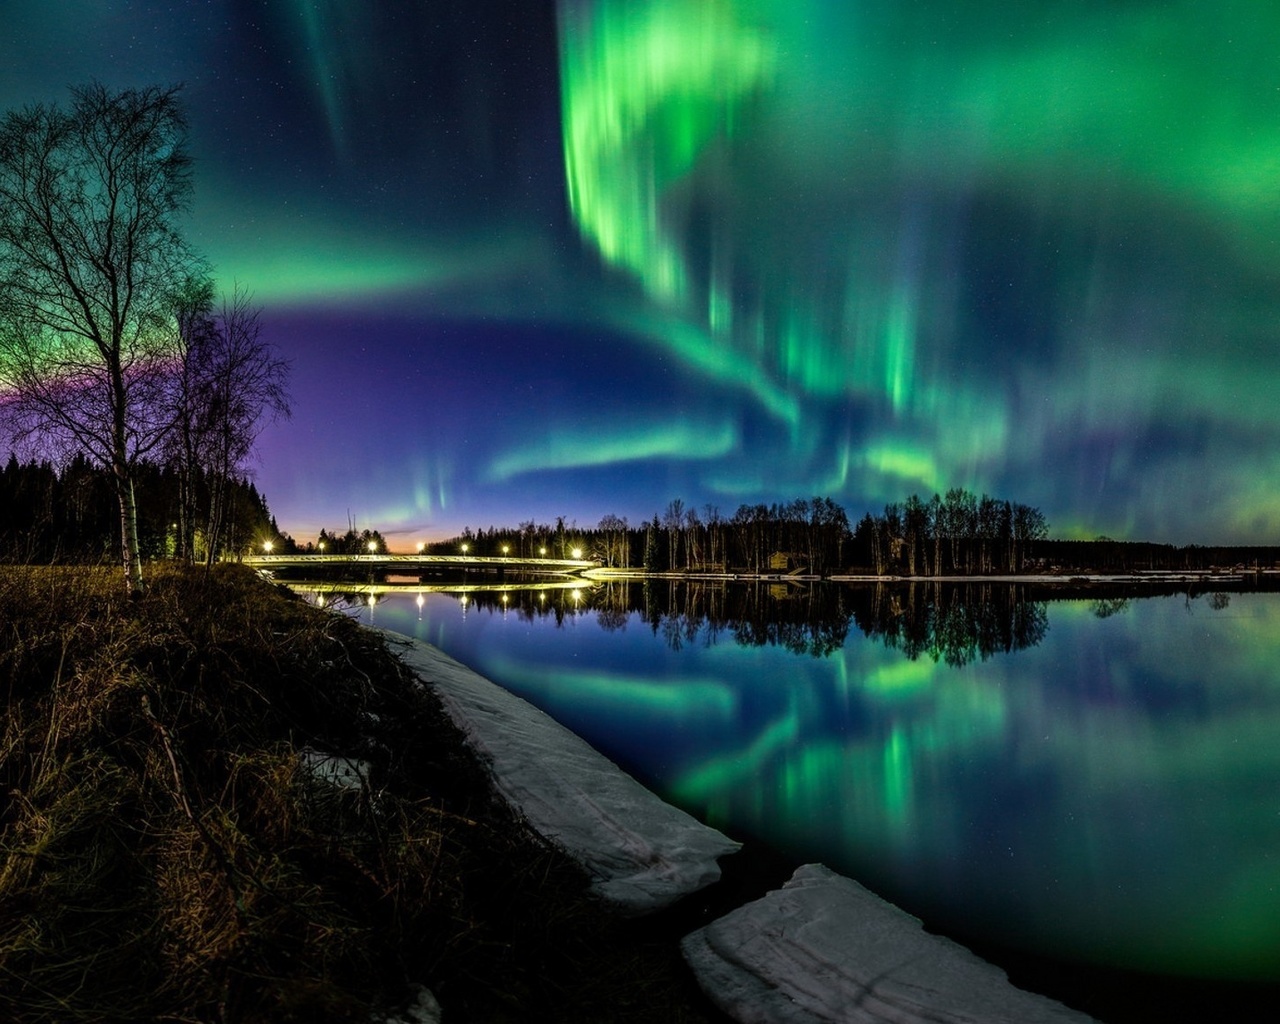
<point x="823" y="949"/>
<point x="643" y="853"/>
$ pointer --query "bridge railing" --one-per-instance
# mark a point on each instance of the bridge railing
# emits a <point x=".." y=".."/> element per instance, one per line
<point x="512" y="561"/>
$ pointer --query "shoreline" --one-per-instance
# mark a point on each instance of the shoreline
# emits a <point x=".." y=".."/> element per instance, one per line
<point x="175" y="848"/>
<point x="759" y="869"/>
<point x="496" y="723"/>
<point x="227" y="804"/>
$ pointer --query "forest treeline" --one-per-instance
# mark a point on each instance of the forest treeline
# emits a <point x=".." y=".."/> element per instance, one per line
<point x="811" y="534"/>
<point x="960" y="533"/>
<point x="70" y="514"/>
<point x="953" y="534"/>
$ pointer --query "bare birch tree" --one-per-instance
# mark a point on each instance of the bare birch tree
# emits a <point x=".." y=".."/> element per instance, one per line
<point x="90" y="261"/>
<point x="229" y="383"/>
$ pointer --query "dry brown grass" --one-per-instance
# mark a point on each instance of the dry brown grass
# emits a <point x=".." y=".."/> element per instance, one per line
<point x="164" y="854"/>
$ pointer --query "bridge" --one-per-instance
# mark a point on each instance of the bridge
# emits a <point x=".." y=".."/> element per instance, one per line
<point x="430" y="563"/>
<point x="345" y="588"/>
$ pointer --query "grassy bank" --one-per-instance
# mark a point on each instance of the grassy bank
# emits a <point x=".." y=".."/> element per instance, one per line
<point x="165" y="853"/>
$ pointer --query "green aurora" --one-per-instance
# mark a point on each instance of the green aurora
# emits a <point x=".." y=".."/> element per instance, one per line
<point x="585" y="257"/>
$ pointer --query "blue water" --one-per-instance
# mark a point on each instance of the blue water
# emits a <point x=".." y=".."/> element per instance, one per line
<point x="1105" y="787"/>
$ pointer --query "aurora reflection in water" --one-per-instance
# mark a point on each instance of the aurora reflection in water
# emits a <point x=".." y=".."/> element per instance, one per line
<point x="1105" y="793"/>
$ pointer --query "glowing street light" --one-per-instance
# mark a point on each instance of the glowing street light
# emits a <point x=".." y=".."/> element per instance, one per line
<point x="577" y="552"/>
<point x="543" y="552"/>
<point x="464" y="549"/>
<point x="373" y="547"/>
<point x="321" y="547"/>
<point x="267" y="546"/>
<point x="420" y="547"/>
<point x="505" y="549"/>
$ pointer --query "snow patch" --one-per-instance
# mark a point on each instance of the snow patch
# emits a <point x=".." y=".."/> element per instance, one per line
<point x="334" y="769"/>
<point x="422" y="1009"/>
<point x="823" y="949"/>
<point x="642" y="853"/>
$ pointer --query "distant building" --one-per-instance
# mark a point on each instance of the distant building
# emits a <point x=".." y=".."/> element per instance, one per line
<point x="787" y="561"/>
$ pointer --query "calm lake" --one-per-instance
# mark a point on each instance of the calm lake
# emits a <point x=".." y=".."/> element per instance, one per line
<point x="1095" y="779"/>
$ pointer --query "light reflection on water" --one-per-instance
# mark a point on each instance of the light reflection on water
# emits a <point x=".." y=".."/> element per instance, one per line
<point x="1092" y="780"/>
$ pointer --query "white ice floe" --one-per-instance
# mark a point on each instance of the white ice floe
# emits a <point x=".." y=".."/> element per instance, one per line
<point x="422" y="1009"/>
<point x="824" y="949"/>
<point x="334" y="769"/>
<point x="642" y="853"/>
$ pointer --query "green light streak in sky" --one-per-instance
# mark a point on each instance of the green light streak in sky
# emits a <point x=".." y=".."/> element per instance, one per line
<point x="646" y="89"/>
<point x="662" y="105"/>
<point x="788" y="184"/>
<point x="903" y="463"/>
<point x="711" y="356"/>
<point x="294" y="255"/>
<point x="605" y="444"/>
<point x="317" y="17"/>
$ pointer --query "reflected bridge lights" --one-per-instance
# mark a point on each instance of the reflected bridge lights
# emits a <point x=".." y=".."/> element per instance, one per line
<point x="420" y="601"/>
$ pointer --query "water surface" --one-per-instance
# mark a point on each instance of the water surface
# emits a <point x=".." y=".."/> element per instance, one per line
<point x="1095" y="779"/>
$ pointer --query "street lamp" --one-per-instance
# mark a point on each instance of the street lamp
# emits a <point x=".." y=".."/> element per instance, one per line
<point x="577" y="552"/>
<point x="464" y="549"/>
<point x="543" y="552"/>
<point x="373" y="547"/>
<point x="321" y="546"/>
<point x="505" y="549"/>
<point x="266" y="546"/>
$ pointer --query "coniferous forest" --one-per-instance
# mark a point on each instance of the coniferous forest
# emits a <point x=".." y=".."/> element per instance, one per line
<point x="70" y="513"/>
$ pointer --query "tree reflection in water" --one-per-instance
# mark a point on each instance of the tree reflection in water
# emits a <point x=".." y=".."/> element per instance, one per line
<point x="955" y="623"/>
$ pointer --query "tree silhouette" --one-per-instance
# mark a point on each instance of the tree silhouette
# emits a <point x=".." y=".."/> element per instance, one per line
<point x="228" y="381"/>
<point x="90" y="262"/>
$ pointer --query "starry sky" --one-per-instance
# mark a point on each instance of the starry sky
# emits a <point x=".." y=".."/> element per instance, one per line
<point x="532" y="259"/>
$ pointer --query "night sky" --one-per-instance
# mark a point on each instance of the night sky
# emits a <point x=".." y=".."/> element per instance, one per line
<point x="533" y="259"/>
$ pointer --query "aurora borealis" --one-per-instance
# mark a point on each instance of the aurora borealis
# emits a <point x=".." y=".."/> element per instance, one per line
<point x="535" y="259"/>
